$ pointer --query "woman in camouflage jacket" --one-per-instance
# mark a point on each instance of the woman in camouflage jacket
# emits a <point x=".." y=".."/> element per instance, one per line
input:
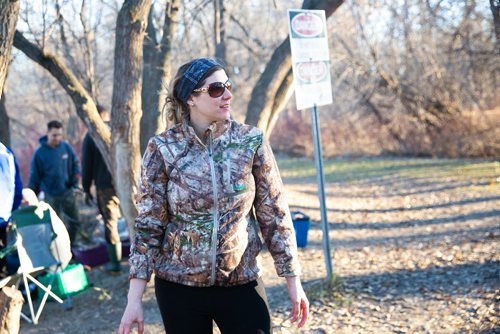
<point x="208" y="186"/>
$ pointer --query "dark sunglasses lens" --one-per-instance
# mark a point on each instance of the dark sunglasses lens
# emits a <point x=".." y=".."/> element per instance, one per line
<point x="216" y="89"/>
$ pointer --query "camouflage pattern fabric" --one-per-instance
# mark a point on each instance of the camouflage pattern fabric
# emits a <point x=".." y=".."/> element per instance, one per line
<point x="196" y="224"/>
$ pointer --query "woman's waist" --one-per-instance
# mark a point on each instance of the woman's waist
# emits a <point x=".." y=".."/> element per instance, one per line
<point x="240" y="276"/>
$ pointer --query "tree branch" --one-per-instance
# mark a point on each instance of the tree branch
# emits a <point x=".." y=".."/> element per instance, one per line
<point x="273" y="81"/>
<point x="85" y="106"/>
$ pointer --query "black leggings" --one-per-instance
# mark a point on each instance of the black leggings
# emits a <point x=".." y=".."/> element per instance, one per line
<point x="239" y="309"/>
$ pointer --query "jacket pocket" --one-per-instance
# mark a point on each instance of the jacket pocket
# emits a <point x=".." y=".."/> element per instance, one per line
<point x="236" y="172"/>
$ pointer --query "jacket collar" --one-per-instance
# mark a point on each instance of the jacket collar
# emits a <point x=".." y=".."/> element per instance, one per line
<point x="216" y="128"/>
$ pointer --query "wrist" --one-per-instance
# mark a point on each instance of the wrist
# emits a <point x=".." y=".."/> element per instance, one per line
<point x="134" y="297"/>
<point x="136" y="290"/>
<point x="292" y="280"/>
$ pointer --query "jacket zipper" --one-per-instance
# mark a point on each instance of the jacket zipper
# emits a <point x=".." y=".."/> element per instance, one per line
<point x="229" y="188"/>
<point x="215" y="209"/>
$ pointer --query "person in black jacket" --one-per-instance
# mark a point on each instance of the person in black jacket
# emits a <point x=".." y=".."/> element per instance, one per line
<point x="94" y="169"/>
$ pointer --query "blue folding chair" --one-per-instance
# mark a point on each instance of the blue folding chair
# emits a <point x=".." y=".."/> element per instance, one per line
<point x="41" y="250"/>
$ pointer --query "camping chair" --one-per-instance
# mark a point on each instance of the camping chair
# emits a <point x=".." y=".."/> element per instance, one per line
<point x="39" y="252"/>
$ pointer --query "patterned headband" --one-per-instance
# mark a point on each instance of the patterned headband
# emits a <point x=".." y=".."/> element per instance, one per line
<point x="192" y="77"/>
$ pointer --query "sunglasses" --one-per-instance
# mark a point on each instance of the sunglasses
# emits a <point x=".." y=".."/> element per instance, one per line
<point x="215" y="89"/>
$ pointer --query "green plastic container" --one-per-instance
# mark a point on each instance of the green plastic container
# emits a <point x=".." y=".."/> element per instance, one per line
<point x="71" y="281"/>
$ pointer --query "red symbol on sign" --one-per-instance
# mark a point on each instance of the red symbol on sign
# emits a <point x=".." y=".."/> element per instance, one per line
<point x="311" y="72"/>
<point x="307" y="25"/>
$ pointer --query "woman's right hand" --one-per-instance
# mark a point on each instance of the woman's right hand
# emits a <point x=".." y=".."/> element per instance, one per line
<point x="133" y="314"/>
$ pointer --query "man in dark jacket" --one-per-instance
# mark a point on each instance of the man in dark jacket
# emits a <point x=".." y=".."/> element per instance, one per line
<point x="55" y="170"/>
<point x="94" y="169"/>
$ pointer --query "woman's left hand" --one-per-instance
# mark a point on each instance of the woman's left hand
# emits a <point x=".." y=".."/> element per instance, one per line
<point x="300" y="304"/>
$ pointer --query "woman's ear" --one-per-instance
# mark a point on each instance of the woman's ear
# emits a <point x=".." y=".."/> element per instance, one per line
<point x="190" y="101"/>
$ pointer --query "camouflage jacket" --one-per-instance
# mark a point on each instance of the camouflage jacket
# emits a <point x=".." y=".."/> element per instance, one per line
<point x="201" y="208"/>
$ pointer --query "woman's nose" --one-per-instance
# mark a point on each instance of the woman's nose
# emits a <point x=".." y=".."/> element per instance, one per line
<point x="227" y="94"/>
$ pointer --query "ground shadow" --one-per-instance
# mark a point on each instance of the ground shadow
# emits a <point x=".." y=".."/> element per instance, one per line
<point x="415" y="222"/>
<point x="455" y="280"/>
<point x="400" y="209"/>
<point x="373" y="194"/>
<point x="408" y="240"/>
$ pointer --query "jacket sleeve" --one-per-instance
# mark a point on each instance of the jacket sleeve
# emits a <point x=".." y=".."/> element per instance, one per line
<point x="76" y="171"/>
<point x="87" y="163"/>
<point x="152" y="216"/>
<point x="35" y="174"/>
<point x="18" y="190"/>
<point x="273" y="214"/>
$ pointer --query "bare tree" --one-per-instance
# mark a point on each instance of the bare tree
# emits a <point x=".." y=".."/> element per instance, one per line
<point x="157" y="71"/>
<point x="88" y="55"/>
<point x="5" y="122"/>
<point x="424" y="68"/>
<point x="423" y="76"/>
<point x="127" y="110"/>
<point x="9" y="11"/>
<point x="219" y="30"/>
<point x="85" y="105"/>
<point x="495" y="11"/>
<point x="438" y="94"/>
<point x="272" y="88"/>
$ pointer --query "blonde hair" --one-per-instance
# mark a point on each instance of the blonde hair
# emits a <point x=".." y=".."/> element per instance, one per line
<point x="177" y="111"/>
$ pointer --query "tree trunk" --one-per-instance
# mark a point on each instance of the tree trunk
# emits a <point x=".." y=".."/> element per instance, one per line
<point x="126" y="105"/>
<point x="88" y="55"/>
<point x="219" y="31"/>
<point x="9" y="11"/>
<point x="11" y="303"/>
<point x="280" y="100"/>
<point x="4" y="123"/>
<point x="495" y="11"/>
<point x="126" y="102"/>
<point x="85" y="106"/>
<point x="259" y="109"/>
<point x="156" y="73"/>
<point x="274" y="84"/>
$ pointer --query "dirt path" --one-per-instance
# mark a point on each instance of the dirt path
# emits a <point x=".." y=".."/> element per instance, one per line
<point x="415" y="253"/>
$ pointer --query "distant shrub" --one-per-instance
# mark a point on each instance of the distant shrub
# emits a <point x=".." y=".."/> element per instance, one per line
<point x="471" y="134"/>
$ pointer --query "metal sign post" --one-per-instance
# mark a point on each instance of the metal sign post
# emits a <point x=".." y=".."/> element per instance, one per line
<point x="318" y="156"/>
<point x="311" y="69"/>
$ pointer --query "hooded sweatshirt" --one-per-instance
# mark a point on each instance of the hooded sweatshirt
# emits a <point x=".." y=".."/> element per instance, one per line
<point x="54" y="170"/>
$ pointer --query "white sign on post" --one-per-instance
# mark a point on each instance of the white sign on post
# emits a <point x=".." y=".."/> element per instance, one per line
<point x="310" y="57"/>
<point x="311" y="69"/>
